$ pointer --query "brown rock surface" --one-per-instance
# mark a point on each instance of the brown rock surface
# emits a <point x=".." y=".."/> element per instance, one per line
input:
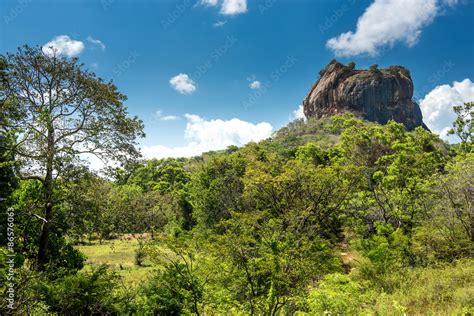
<point x="375" y="95"/>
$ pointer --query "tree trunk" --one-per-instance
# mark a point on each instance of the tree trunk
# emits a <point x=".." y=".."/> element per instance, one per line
<point x="471" y="219"/>
<point x="48" y="208"/>
<point x="44" y="238"/>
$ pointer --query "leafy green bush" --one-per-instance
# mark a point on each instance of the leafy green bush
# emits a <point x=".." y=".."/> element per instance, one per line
<point x="140" y="252"/>
<point x="311" y="153"/>
<point x="374" y="69"/>
<point x="336" y="294"/>
<point x="84" y="293"/>
<point x="387" y="252"/>
<point x="215" y="188"/>
<point x="173" y="291"/>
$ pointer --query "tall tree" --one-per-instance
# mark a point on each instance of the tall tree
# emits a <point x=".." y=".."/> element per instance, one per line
<point x="463" y="126"/>
<point x="60" y="112"/>
<point x="7" y="178"/>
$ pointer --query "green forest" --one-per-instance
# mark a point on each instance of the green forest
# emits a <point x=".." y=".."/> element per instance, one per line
<point x="330" y="216"/>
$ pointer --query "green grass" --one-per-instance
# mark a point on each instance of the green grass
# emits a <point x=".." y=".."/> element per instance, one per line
<point x="119" y="255"/>
<point x="446" y="290"/>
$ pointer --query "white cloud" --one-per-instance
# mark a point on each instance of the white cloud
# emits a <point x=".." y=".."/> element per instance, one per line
<point x="94" y="162"/>
<point x="437" y="106"/>
<point x="183" y="84"/>
<point x="96" y="42"/>
<point x="233" y="7"/>
<point x="210" y="3"/>
<point x="219" y="23"/>
<point x="255" y="85"/>
<point x="159" y="115"/>
<point x="298" y="114"/>
<point x="169" y="118"/>
<point x="451" y="3"/>
<point x="205" y="135"/>
<point x="63" y="45"/>
<point x="228" y="7"/>
<point x="386" y="22"/>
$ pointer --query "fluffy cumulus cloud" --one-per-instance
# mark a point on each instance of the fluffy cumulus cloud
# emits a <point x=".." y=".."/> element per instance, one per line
<point x="298" y="114"/>
<point x="203" y="135"/>
<point x="183" y="84"/>
<point x="63" y="45"/>
<point x="96" y="42"/>
<point x="255" y="85"/>
<point x="228" y="7"/>
<point x="387" y="22"/>
<point x="233" y="7"/>
<point x="437" y="106"/>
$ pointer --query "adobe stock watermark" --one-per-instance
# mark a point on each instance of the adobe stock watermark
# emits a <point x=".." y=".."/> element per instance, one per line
<point x="10" y="262"/>
<point x="265" y="6"/>
<point x="173" y="16"/>
<point x="125" y="64"/>
<point x="16" y="11"/>
<point x="106" y="4"/>
<point x="214" y="57"/>
<point x="275" y="76"/>
<point x="336" y="15"/>
<point x="434" y="79"/>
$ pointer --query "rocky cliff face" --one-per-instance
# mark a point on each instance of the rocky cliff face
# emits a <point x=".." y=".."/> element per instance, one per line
<point x="375" y="95"/>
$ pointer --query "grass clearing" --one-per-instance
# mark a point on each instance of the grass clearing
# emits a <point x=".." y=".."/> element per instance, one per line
<point x="444" y="290"/>
<point x="119" y="255"/>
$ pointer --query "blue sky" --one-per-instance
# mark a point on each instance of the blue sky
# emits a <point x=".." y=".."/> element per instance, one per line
<point x="241" y="67"/>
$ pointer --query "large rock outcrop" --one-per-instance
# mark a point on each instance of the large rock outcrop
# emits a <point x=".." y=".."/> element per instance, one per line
<point x="377" y="95"/>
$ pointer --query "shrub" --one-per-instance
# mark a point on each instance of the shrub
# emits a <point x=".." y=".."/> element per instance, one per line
<point x="398" y="69"/>
<point x="140" y="253"/>
<point x="82" y="293"/>
<point x="173" y="291"/>
<point x="374" y="69"/>
<point x="311" y="153"/>
<point x="336" y="294"/>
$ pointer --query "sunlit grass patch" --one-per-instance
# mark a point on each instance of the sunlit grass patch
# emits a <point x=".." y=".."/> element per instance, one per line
<point x="119" y="255"/>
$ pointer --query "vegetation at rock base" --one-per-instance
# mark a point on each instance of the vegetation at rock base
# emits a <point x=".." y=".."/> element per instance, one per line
<point x="333" y="216"/>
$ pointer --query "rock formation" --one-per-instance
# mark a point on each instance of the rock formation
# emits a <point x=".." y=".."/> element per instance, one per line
<point x="377" y="95"/>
